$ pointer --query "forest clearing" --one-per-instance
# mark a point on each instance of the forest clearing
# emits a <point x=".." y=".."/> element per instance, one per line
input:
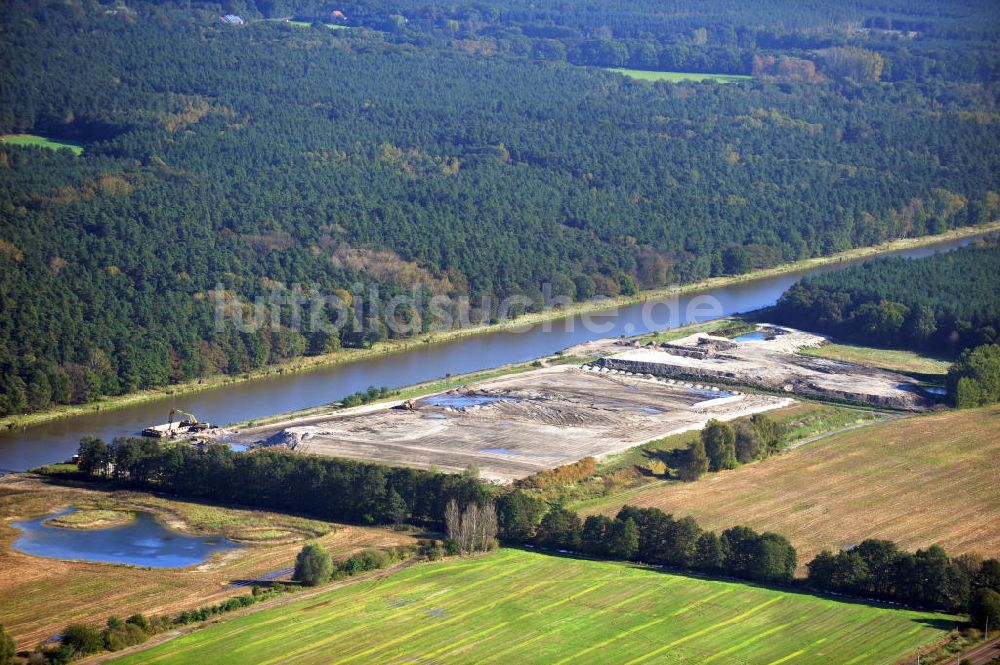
<point x="41" y="142"/>
<point x="677" y="77"/>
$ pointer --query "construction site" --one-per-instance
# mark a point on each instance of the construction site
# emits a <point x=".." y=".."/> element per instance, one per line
<point x="634" y="391"/>
<point x="766" y="359"/>
<point x="515" y="426"/>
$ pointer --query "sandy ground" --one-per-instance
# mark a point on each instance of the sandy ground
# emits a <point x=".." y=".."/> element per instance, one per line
<point x="514" y="426"/>
<point x="771" y="364"/>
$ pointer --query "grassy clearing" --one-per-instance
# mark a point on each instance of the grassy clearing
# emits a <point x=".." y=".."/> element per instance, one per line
<point x="514" y="606"/>
<point x="41" y="142"/>
<point x="398" y="346"/>
<point x="918" y="481"/>
<point x="729" y="325"/>
<point x="892" y="359"/>
<point x="306" y="24"/>
<point x="39" y="597"/>
<point x="92" y="518"/>
<point x="678" y="77"/>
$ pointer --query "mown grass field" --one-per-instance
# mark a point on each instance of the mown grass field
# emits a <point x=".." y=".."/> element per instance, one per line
<point x="892" y="359"/>
<point x="521" y="607"/>
<point x="40" y="142"/>
<point x="677" y="77"/>
<point x="639" y="469"/>
<point x="39" y="597"/>
<point x="918" y="481"/>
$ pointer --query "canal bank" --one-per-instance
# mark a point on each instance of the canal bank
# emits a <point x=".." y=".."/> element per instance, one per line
<point x="290" y="388"/>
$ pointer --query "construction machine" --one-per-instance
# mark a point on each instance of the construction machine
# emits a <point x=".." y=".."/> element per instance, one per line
<point x="192" y="423"/>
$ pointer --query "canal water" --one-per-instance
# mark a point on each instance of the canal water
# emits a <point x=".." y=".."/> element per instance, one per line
<point x="140" y="542"/>
<point x="58" y="440"/>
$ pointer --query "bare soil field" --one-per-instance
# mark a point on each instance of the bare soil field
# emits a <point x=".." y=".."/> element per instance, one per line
<point x="773" y="363"/>
<point x="918" y="481"/>
<point x="39" y="597"/>
<point x="514" y="426"/>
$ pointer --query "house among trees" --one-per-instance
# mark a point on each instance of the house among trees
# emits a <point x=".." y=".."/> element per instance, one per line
<point x="232" y="19"/>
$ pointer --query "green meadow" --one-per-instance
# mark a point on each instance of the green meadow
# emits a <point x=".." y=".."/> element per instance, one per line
<point x="40" y="142"/>
<point x="520" y="607"/>
<point x="306" y="24"/>
<point x="677" y="77"/>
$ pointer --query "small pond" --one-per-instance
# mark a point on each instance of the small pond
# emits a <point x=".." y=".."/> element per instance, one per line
<point x="461" y="401"/>
<point x="934" y="390"/>
<point x="709" y="393"/>
<point x="141" y="542"/>
<point x="756" y="336"/>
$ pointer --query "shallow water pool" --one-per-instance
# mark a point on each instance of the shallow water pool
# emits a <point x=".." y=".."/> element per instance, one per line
<point x="141" y="542"/>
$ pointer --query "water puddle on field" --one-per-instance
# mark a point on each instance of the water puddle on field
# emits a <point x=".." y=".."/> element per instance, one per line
<point x="710" y="394"/>
<point x="934" y="390"/>
<point x="758" y="336"/>
<point x="498" y="451"/>
<point x="239" y="447"/>
<point x="141" y="542"/>
<point x="652" y="410"/>
<point x="462" y="401"/>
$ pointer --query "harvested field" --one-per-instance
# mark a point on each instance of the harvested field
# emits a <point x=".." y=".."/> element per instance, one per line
<point x="521" y="607"/>
<point x="39" y="597"/>
<point x="773" y="364"/>
<point x="514" y="426"/>
<point x="917" y="481"/>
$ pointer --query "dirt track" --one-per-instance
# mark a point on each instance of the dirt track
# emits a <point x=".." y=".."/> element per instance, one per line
<point x="515" y="426"/>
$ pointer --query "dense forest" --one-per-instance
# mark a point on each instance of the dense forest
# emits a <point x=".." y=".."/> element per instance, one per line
<point x="942" y="303"/>
<point x="446" y="151"/>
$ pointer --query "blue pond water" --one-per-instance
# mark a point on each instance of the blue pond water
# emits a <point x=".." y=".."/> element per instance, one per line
<point x="141" y="542"/>
<point x="933" y="390"/>
<point x="709" y="394"/>
<point x="459" y="401"/>
<point x="498" y="451"/>
<point x="757" y="336"/>
<point x="238" y="447"/>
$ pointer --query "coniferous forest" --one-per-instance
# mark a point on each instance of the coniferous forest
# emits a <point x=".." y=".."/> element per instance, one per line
<point x="940" y="304"/>
<point x="477" y="151"/>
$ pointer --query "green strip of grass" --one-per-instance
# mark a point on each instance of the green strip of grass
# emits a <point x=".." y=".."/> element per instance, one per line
<point x="515" y="606"/>
<point x="892" y="359"/>
<point x="41" y="142"/>
<point x="678" y="77"/>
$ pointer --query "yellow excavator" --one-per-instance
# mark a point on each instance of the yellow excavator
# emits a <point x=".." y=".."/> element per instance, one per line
<point x="192" y="423"/>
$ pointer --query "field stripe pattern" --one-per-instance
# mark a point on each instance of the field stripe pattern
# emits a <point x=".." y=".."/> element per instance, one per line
<point x="516" y="606"/>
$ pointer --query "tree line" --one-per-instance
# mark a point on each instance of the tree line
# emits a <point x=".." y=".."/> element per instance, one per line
<point x="874" y="569"/>
<point x="474" y="517"/>
<point x="331" y="488"/>
<point x="721" y="446"/>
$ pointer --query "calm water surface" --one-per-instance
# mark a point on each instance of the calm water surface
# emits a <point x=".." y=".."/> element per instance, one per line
<point x="58" y="440"/>
<point x="141" y="542"/>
